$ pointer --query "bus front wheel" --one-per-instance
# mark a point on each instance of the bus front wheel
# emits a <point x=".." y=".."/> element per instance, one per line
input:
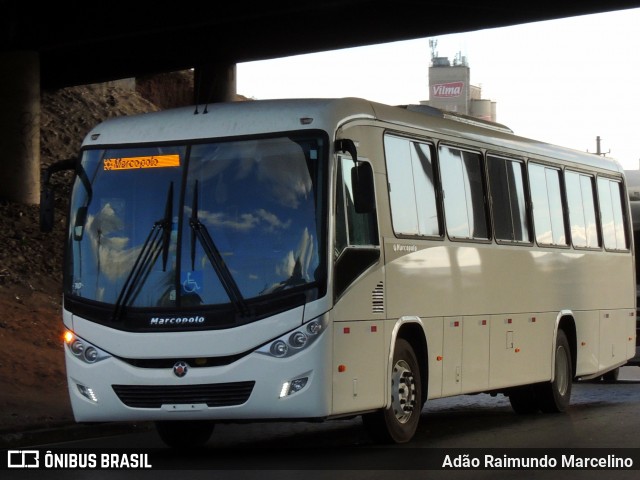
<point x="398" y="422"/>
<point x="184" y="434"/>
<point x="554" y="396"/>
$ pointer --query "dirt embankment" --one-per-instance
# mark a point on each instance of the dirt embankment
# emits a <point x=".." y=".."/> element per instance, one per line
<point x="33" y="388"/>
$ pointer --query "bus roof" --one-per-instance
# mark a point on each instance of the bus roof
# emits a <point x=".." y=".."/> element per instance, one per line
<point x="225" y="120"/>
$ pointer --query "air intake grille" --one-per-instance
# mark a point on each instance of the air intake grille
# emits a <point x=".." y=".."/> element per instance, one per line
<point x="214" y="395"/>
<point x="377" y="298"/>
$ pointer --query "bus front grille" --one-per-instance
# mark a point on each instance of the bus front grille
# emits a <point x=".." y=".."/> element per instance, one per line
<point x="214" y="395"/>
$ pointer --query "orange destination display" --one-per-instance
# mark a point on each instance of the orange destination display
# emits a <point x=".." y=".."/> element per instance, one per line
<point x="133" y="163"/>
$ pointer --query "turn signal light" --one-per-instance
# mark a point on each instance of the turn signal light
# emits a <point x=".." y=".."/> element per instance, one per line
<point x="68" y="336"/>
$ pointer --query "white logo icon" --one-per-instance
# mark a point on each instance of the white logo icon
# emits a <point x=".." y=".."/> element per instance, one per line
<point x="23" y="459"/>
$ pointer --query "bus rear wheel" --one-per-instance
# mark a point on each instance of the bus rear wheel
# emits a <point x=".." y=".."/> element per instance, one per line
<point x="184" y="434"/>
<point x="611" y="376"/>
<point x="554" y="396"/>
<point x="523" y="400"/>
<point x="398" y="422"/>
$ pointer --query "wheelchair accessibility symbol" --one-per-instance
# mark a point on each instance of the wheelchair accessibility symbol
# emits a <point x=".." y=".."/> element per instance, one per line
<point x="192" y="282"/>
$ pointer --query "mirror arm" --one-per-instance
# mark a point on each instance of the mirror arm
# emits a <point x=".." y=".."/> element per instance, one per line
<point x="68" y="164"/>
<point x="349" y="146"/>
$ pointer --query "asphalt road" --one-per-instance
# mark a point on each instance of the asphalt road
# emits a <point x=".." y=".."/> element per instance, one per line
<point x="602" y="416"/>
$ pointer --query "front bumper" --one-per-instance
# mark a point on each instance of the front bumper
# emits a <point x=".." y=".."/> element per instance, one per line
<point x="250" y="388"/>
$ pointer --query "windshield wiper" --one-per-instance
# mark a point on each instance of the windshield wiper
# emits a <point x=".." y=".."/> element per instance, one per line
<point x="157" y="241"/>
<point x="199" y="231"/>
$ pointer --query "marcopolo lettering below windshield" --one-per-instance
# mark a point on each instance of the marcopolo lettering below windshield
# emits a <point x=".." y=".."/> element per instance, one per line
<point x="176" y="320"/>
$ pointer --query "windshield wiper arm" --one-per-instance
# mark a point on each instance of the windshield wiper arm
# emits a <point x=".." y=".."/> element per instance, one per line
<point x="167" y="225"/>
<point x="199" y="231"/>
<point x="157" y="241"/>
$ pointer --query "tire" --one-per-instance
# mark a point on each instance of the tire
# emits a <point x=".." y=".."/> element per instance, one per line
<point x="398" y="423"/>
<point x="611" y="376"/>
<point x="523" y="400"/>
<point x="554" y="396"/>
<point x="185" y="434"/>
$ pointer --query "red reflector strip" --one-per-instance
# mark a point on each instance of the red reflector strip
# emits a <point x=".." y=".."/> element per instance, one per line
<point x="346" y="330"/>
<point x="374" y="328"/>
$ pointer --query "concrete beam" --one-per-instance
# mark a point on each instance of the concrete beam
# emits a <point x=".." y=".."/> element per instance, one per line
<point x="20" y="127"/>
<point x="214" y="82"/>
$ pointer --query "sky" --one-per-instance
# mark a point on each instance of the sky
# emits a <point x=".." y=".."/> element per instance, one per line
<point x="563" y="81"/>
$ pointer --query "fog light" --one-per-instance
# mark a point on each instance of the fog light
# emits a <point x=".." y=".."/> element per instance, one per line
<point x="284" y="391"/>
<point x="294" y="386"/>
<point x="88" y="393"/>
<point x="297" y="385"/>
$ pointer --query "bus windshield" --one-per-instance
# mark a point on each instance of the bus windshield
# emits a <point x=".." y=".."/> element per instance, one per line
<point x="200" y="225"/>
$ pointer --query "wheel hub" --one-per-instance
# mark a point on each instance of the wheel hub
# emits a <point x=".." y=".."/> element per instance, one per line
<point x="403" y="399"/>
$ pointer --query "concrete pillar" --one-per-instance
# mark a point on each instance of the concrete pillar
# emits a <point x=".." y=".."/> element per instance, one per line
<point x="20" y="127"/>
<point x="214" y="82"/>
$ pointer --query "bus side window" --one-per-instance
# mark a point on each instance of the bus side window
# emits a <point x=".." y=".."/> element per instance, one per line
<point x="342" y="239"/>
<point x="356" y="242"/>
<point x="582" y="210"/>
<point x="613" y="229"/>
<point x="506" y="180"/>
<point x="412" y="187"/>
<point x="548" y="211"/>
<point x="464" y="205"/>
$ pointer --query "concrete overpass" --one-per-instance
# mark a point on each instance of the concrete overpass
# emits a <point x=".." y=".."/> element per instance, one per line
<point x="57" y="44"/>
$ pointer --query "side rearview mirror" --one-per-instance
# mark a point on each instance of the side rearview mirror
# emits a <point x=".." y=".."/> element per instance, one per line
<point x="364" y="199"/>
<point x="47" y="206"/>
<point x="47" y="196"/>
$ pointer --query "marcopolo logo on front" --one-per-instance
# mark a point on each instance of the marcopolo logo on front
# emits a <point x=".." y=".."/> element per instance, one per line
<point x="176" y="321"/>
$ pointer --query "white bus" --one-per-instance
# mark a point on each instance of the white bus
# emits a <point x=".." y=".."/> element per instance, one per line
<point x="325" y="258"/>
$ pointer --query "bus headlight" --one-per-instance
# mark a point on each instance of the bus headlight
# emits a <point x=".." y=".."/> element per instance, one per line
<point x="77" y="347"/>
<point x="91" y="355"/>
<point x="298" y="339"/>
<point x="295" y="341"/>
<point x="82" y="349"/>
<point x="279" y="349"/>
